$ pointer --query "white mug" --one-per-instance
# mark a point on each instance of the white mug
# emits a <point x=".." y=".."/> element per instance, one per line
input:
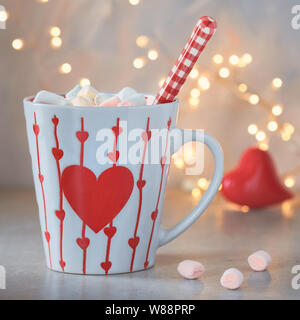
<point x="104" y="218"/>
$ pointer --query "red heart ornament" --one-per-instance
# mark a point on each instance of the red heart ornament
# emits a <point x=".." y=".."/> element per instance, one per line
<point x="254" y="182"/>
<point x="133" y="242"/>
<point x="106" y="266"/>
<point x="83" y="242"/>
<point x="97" y="201"/>
<point x="57" y="153"/>
<point x="62" y="264"/>
<point x="41" y="178"/>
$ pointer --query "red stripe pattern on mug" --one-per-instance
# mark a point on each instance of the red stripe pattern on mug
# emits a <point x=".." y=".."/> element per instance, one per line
<point x="203" y="31"/>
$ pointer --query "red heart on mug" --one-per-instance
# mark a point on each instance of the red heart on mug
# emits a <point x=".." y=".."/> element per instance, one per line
<point x="97" y="201"/>
<point x="154" y="215"/>
<point x="62" y="264"/>
<point x="106" y="265"/>
<point x="133" y="242"/>
<point x="47" y="236"/>
<point x="146" y="135"/>
<point x="82" y="136"/>
<point x="83" y="242"/>
<point x="41" y="178"/>
<point x="55" y="120"/>
<point x="60" y="214"/>
<point x="57" y="153"/>
<point x="141" y="183"/>
<point x="36" y="129"/>
<point x="113" y="156"/>
<point x="117" y="130"/>
<point x="110" y="231"/>
<point x="254" y="182"/>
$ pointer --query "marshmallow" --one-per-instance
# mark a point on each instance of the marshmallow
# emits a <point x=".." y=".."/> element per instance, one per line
<point x="190" y="269"/>
<point x="149" y="100"/>
<point x="47" y="97"/>
<point x="232" y="279"/>
<point x="137" y="99"/>
<point x="111" y="102"/>
<point x="101" y="97"/>
<point x="259" y="260"/>
<point x="88" y="92"/>
<point x="73" y="93"/>
<point x="125" y="103"/>
<point x="81" y="102"/>
<point x="125" y="93"/>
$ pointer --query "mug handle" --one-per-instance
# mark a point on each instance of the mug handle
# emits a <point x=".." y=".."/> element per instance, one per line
<point x="166" y="236"/>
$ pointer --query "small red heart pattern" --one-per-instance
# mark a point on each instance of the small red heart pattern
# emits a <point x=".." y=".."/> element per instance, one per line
<point x="57" y="153"/>
<point x="110" y="231"/>
<point x="62" y="264"/>
<point x="254" y="182"/>
<point x="113" y="156"/>
<point x="36" y="129"/>
<point x="83" y="242"/>
<point x="55" y="120"/>
<point x="97" y="201"/>
<point x="47" y="236"/>
<point x="117" y="130"/>
<point x="82" y="136"/>
<point x="141" y="184"/>
<point x="106" y="265"/>
<point x="60" y="214"/>
<point x="133" y="242"/>
<point x="146" y="136"/>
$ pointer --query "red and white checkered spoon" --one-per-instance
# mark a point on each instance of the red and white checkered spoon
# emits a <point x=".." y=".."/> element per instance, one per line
<point x="203" y="31"/>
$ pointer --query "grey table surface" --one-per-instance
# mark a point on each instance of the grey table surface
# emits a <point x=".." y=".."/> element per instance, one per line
<point x="222" y="238"/>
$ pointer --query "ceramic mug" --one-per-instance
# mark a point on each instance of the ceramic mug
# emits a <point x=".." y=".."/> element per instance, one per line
<point x="104" y="218"/>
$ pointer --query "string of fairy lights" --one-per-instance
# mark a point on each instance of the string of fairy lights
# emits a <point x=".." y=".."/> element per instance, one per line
<point x="199" y="82"/>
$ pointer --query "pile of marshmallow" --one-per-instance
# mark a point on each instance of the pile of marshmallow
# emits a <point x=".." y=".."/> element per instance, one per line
<point x="88" y="96"/>
<point x="232" y="278"/>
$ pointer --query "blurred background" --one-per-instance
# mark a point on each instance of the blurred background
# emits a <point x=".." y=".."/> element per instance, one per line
<point x="244" y="90"/>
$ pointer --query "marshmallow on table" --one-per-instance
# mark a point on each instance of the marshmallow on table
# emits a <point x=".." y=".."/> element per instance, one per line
<point x="259" y="260"/>
<point x="73" y="93"/>
<point x="190" y="269"/>
<point x="47" y="97"/>
<point x="232" y="279"/>
<point x="81" y="102"/>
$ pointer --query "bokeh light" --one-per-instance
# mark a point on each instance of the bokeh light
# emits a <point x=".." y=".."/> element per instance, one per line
<point x="84" y="82"/>
<point x="218" y="59"/>
<point x="138" y="63"/>
<point x="204" y="83"/>
<point x="252" y="129"/>
<point x="224" y="72"/>
<point x="65" y="68"/>
<point x="17" y="44"/>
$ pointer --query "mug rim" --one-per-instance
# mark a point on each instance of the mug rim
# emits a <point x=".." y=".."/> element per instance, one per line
<point x="28" y="100"/>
